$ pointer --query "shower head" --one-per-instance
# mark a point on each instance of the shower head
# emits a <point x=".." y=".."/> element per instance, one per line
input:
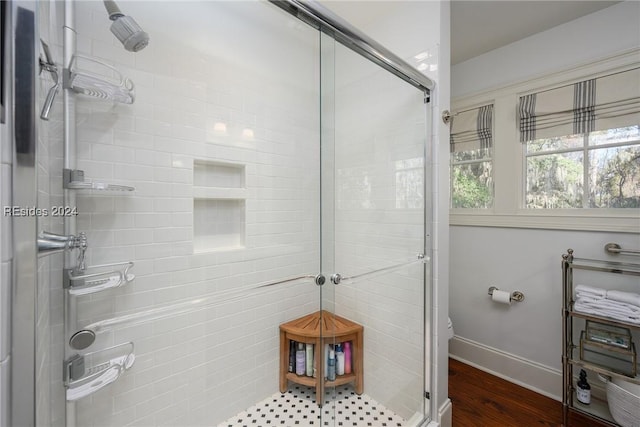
<point x="126" y="29"/>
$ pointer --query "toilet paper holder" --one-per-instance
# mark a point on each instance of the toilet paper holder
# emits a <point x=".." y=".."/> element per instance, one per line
<point x="515" y="295"/>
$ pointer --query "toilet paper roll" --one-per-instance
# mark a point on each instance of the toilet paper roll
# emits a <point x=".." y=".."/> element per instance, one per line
<point x="503" y="297"/>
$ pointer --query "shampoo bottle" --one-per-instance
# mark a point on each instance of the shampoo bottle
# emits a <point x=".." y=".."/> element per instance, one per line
<point x="300" y="360"/>
<point x="331" y="372"/>
<point x="309" y="361"/>
<point x="339" y="360"/>
<point x="583" y="392"/>
<point x="347" y="357"/>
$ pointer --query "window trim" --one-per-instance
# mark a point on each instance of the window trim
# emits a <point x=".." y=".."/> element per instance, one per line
<point x="508" y="159"/>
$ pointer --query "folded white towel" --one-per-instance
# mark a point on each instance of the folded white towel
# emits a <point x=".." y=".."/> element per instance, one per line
<point x="612" y="309"/>
<point x="586" y="290"/>
<point x="625" y="297"/>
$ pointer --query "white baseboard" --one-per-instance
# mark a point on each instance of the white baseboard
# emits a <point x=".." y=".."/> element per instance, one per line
<point x="531" y="375"/>
<point x="445" y="415"/>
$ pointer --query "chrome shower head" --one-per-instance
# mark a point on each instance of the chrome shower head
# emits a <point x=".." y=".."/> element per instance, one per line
<point x="130" y="34"/>
<point x="126" y="29"/>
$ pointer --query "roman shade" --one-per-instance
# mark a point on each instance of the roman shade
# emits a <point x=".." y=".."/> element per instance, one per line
<point x="472" y="129"/>
<point x="607" y="102"/>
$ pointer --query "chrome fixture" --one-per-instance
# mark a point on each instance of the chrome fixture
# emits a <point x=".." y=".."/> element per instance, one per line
<point x="52" y="243"/>
<point x="446" y="117"/>
<point x="49" y="65"/>
<point x="614" y="248"/>
<point x="73" y="179"/>
<point x="515" y="295"/>
<point x="82" y="339"/>
<point x="337" y="278"/>
<point x="126" y="29"/>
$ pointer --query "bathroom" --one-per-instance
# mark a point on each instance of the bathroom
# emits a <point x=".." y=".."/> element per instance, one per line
<point x="211" y="187"/>
<point x="248" y="117"/>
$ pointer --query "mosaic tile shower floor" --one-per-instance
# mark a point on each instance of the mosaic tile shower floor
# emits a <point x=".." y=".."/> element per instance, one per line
<point x="297" y="408"/>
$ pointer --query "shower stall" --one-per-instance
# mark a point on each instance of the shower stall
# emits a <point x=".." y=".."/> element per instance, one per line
<point x="239" y="166"/>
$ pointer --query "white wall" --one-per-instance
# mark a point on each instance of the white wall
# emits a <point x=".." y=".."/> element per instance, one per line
<point x="523" y="342"/>
<point x="591" y="37"/>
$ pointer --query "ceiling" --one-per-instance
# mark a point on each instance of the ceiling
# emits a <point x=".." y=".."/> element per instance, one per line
<point x="478" y="26"/>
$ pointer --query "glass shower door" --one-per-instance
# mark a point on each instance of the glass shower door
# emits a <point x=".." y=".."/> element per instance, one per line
<point x="374" y="138"/>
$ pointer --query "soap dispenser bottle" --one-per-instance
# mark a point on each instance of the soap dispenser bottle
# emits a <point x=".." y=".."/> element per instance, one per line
<point x="583" y="391"/>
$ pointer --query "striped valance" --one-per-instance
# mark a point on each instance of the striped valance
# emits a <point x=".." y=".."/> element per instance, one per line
<point x="607" y="102"/>
<point x="472" y="129"/>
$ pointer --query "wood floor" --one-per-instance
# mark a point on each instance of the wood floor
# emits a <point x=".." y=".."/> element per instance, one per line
<point x="483" y="400"/>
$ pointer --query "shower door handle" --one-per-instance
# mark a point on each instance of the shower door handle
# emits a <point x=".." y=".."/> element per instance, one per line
<point x="338" y="278"/>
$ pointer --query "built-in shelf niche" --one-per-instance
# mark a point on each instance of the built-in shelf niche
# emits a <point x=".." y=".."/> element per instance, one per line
<point x="219" y="206"/>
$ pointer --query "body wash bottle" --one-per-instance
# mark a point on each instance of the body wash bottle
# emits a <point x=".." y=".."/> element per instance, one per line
<point x="300" y="359"/>
<point x="347" y="357"/>
<point x="339" y="360"/>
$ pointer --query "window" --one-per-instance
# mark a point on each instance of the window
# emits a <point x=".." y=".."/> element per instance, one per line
<point x="564" y="152"/>
<point x="599" y="169"/>
<point x="471" y="162"/>
<point x="598" y="164"/>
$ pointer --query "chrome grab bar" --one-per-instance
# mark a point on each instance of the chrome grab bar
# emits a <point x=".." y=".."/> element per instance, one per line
<point x="614" y="248"/>
<point x="337" y="278"/>
<point x="183" y="307"/>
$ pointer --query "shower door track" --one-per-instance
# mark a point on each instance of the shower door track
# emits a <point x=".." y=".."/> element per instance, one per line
<point x="321" y="18"/>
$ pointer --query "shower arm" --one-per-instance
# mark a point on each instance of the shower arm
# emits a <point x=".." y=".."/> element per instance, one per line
<point x="112" y="9"/>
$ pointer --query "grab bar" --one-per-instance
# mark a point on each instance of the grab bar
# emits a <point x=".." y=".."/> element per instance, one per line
<point x="338" y="278"/>
<point x="614" y="248"/>
<point x="186" y="306"/>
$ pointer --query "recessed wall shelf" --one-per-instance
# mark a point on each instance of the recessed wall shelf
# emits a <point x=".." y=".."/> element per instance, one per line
<point x="107" y="84"/>
<point x="219" y="206"/>
<point x="105" y="367"/>
<point x="218" y="224"/>
<point x="98" y="278"/>
<point x="73" y="179"/>
<point x="210" y="174"/>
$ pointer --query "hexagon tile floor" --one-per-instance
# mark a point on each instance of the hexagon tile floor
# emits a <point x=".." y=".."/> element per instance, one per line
<point x="297" y="408"/>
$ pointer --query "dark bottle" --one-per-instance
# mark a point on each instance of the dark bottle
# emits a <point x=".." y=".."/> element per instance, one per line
<point x="292" y="356"/>
<point x="583" y="393"/>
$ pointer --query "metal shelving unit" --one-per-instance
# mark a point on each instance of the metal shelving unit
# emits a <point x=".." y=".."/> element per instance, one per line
<point x="569" y="357"/>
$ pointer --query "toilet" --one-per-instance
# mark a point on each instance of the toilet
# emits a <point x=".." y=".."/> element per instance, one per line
<point x="449" y="328"/>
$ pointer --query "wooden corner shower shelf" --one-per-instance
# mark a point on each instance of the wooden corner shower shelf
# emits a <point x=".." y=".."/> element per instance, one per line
<point x="321" y="328"/>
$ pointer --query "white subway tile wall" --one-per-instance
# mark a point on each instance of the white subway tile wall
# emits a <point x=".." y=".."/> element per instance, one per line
<point x="212" y="72"/>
